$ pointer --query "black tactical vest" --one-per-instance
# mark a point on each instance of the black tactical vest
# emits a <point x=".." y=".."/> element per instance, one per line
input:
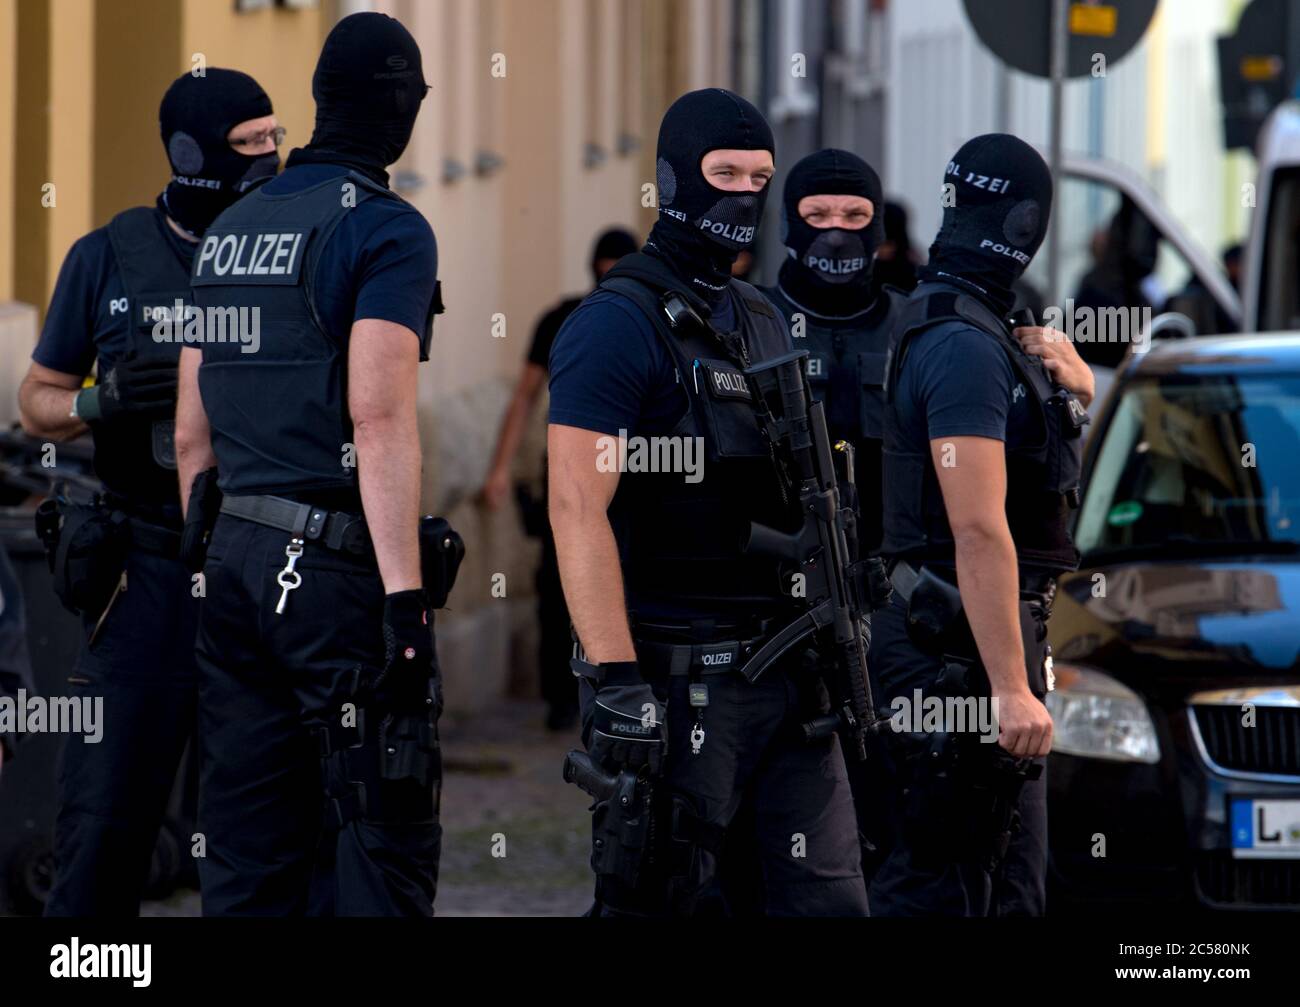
<point x="846" y="370"/>
<point x="682" y="542"/>
<point x="1042" y="474"/>
<point x="279" y="415"/>
<point x="133" y="456"/>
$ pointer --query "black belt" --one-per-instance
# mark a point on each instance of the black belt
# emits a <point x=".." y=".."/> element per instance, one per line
<point x="333" y="529"/>
<point x="1034" y="587"/>
<point x="696" y="658"/>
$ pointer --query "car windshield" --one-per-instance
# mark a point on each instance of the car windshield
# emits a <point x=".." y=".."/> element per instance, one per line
<point x="1196" y="463"/>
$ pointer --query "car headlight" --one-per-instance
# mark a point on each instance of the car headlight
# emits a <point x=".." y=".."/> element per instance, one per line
<point x="1099" y="718"/>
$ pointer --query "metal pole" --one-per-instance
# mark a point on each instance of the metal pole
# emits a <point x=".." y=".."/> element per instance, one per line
<point x="1060" y="54"/>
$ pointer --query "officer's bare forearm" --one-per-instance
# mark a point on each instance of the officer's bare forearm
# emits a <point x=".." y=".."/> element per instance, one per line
<point x="593" y="585"/>
<point x="388" y="464"/>
<point x="45" y="404"/>
<point x="194" y="451"/>
<point x="578" y="498"/>
<point x="988" y="579"/>
<point x="383" y="358"/>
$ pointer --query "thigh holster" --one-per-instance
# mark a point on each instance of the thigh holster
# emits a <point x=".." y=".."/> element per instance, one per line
<point x="383" y="769"/>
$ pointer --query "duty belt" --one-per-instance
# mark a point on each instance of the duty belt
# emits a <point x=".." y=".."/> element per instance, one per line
<point x="335" y="530"/>
<point x="697" y="658"/>
<point x="1034" y="587"/>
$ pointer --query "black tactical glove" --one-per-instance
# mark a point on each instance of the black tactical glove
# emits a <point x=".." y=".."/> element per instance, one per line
<point x="141" y="387"/>
<point x="627" y="722"/>
<point x="411" y="681"/>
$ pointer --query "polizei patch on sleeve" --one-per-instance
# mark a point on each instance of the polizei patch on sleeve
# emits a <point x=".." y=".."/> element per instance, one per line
<point x="250" y="255"/>
<point x="726" y="382"/>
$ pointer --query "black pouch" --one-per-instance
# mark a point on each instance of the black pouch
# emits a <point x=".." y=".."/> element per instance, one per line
<point x="441" y="552"/>
<point x="200" y="519"/>
<point x="90" y="555"/>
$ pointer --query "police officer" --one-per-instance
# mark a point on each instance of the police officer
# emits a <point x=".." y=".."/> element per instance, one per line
<point x="666" y="604"/>
<point x="983" y="431"/>
<point x="315" y="642"/>
<point x="117" y="284"/>
<point x="555" y="643"/>
<point x="834" y="222"/>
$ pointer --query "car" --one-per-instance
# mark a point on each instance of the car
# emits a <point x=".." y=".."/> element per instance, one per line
<point x="1174" y="780"/>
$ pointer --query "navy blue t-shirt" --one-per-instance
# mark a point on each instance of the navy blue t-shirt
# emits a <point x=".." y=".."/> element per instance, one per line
<point x="610" y="370"/>
<point x="381" y="262"/>
<point x="87" y="322"/>
<point x="958" y="382"/>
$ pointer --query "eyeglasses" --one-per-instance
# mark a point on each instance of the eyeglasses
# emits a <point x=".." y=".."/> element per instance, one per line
<point x="276" y="136"/>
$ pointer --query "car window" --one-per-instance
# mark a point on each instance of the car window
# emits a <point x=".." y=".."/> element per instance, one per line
<point x="1279" y="294"/>
<point x="1190" y="461"/>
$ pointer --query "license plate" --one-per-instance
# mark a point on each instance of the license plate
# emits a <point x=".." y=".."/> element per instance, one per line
<point x="1266" y="829"/>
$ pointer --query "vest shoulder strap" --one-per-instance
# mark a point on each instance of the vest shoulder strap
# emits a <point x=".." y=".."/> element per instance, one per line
<point x="145" y="257"/>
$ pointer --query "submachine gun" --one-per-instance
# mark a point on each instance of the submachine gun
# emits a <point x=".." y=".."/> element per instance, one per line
<point x="838" y="587"/>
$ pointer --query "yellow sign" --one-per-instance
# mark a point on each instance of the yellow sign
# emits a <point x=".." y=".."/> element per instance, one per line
<point x="1257" y="68"/>
<point x="1093" y="19"/>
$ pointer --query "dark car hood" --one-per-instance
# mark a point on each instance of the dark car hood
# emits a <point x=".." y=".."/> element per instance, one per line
<point x="1237" y="616"/>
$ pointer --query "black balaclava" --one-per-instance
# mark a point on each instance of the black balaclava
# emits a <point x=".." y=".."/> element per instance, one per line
<point x="612" y="244"/>
<point x="1000" y="204"/>
<point x="829" y="268"/>
<point x="368" y="86"/>
<point x="701" y="228"/>
<point x="207" y="173"/>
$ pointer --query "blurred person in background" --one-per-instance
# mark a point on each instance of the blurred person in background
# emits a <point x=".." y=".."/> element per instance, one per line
<point x="896" y="259"/>
<point x="1122" y="278"/>
<point x="134" y="595"/>
<point x="559" y="689"/>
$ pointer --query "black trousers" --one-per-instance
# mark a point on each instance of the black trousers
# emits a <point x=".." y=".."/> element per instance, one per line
<point x="908" y="884"/>
<point x="113" y="793"/>
<point x="775" y="808"/>
<point x="270" y="688"/>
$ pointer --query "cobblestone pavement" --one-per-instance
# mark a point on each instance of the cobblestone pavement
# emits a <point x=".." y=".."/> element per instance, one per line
<point x="503" y="794"/>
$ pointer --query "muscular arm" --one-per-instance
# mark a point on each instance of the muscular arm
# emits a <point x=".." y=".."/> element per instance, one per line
<point x="193" y="435"/>
<point x="45" y="403"/>
<point x="526" y="393"/>
<point x="974" y="486"/>
<point x="383" y="358"/>
<point x="579" y="496"/>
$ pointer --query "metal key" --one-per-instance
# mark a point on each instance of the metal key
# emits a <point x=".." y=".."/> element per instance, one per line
<point x="289" y="579"/>
<point x="697" y="738"/>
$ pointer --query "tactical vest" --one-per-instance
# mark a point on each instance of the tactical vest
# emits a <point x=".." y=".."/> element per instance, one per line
<point x="1042" y="474"/>
<point x="846" y="370"/>
<point x="278" y="413"/>
<point x="682" y="542"/>
<point x="133" y="456"/>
